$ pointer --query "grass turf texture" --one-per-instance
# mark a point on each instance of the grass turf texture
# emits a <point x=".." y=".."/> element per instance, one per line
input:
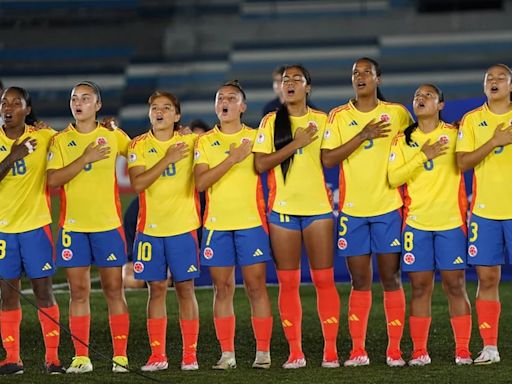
<point x="442" y="369"/>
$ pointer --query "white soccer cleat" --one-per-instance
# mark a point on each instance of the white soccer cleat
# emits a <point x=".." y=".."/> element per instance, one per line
<point x="489" y="355"/>
<point x="193" y="366"/>
<point x="262" y="360"/>
<point x="295" y="364"/>
<point x="391" y="362"/>
<point x="80" y="364"/>
<point x="419" y="359"/>
<point x="357" y="358"/>
<point x="120" y="364"/>
<point x="155" y="363"/>
<point x="226" y="361"/>
<point x="330" y="363"/>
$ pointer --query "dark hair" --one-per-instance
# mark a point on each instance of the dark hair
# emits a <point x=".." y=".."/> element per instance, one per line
<point x="278" y="70"/>
<point x="198" y="123"/>
<point x="411" y="128"/>
<point x="93" y="86"/>
<point x="505" y="67"/>
<point x="1" y="85"/>
<point x="282" y="124"/>
<point x="31" y="118"/>
<point x="378" y="71"/>
<point x="235" y="83"/>
<point x="172" y="98"/>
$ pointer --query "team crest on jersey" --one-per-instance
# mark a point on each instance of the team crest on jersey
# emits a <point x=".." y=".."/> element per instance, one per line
<point x="384" y="117"/>
<point x="101" y="141"/>
<point x="443" y="139"/>
<point x="132" y="157"/>
<point x="197" y="154"/>
<point x="49" y="156"/>
<point x="208" y="253"/>
<point x="261" y="138"/>
<point x="409" y="258"/>
<point x="327" y="133"/>
<point x="460" y="135"/>
<point x="67" y="254"/>
<point x="138" y="267"/>
<point x="342" y="243"/>
<point x="472" y="250"/>
<point x="392" y="156"/>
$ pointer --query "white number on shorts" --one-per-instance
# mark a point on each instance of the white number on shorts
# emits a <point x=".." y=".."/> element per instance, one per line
<point x="144" y="251"/>
<point x="408" y="241"/>
<point x="3" y="246"/>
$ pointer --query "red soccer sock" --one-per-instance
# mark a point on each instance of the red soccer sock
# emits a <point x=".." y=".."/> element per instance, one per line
<point x="79" y="327"/>
<point x="157" y="333"/>
<point x="10" y="329"/>
<point x="262" y="328"/>
<point x="359" y="305"/>
<point x="461" y="326"/>
<point x="51" y="332"/>
<point x="394" y="307"/>
<point x="488" y="313"/>
<point x="189" y="336"/>
<point x="290" y="310"/>
<point x="419" y="328"/>
<point x="119" y="330"/>
<point x="328" y="307"/>
<point x="225" y="330"/>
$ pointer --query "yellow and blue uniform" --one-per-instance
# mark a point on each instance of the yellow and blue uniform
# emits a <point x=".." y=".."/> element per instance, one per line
<point x="304" y="197"/>
<point x="90" y="218"/>
<point x="369" y="218"/>
<point x="25" y="236"/>
<point x="435" y="201"/>
<point x="168" y="212"/>
<point x="235" y="228"/>
<point x="490" y="227"/>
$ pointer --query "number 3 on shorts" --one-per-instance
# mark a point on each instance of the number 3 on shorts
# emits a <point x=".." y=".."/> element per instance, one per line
<point x="474" y="232"/>
<point x="3" y="247"/>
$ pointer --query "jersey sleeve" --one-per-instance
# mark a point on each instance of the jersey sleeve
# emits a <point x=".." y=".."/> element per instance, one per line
<point x="123" y="140"/>
<point x="264" y="142"/>
<point x="466" y="136"/>
<point x="400" y="170"/>
<point x="200" y="155"/>
<point x="136" y="154"/>
<point x="55" y="160"/>
<point x="331" y="138"/>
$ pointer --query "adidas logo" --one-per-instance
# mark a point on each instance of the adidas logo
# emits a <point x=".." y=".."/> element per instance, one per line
<point x="193" y="346"/>
<point x="483" y="124"/>
<point x="395" y="243"/>
<point x="330" y="320"/>
<point x="111" y="257"/>
<point x="216" y="143"/>
<point x="415" y="145"/>
<point x="287" y="323"/>
<point x="353" y="123"/>
<point x="46" y="267"/>
<point x="152" y="150"/>
<point x="155" y="343"/>
<point x="353" y="317"/>
<point x="8" y="339"/>
<point x="53" y="333"/>
<point x="258" y="252"/>
<point x="458" y="260"/>
<point x="484" y="325"/>
<point x="192" y="268"/>
<point x="395" y="323"/>
<point x="72" y="143"/>
<point x="3" y="148"/>
<point x="120" y="337"/>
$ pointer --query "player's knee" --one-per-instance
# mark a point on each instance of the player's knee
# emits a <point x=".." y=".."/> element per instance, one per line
<point x="421" y="290"/>
<point x="224" y="289"/>
<point x="391" y="281"/>
<point x="256" y="290"/>
<point x="361" y="282"/>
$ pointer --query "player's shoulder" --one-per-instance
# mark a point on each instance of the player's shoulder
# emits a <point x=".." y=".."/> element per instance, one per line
<point x="63" y="135"/>
<point x="138" y="140"/>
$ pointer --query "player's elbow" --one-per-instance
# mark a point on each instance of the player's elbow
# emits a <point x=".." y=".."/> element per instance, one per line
<point x="52" y="180"/>
<point x="462" y="162"/>
<point x="327" y="160"/>
<point x="259" y="163"/>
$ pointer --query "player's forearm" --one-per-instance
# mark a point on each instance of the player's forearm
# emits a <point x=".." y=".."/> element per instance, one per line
<point x="144" y="180"/>
<point x="399" y="175"/>
<point x="206" y="178"/>
<point x="332" y="157"/>
<point x="6" y="166"/>
<point x="58" y="177"/>
<point x="265" y="161"/>
<point x="468" y="160"/>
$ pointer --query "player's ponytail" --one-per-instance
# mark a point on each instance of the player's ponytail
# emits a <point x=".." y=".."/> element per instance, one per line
<point x="408" y="132"/>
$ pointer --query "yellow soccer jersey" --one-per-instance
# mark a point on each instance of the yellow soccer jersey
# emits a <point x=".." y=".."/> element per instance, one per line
<point x="363" y="184"/>
<point x="492" y="189"/>
<point x="25" y="201"/>
<point x="305" y="192"/>
<point x="236" y="200"/>
<point x="89" y="201"/>
<point x="170" y="205"/>
<point x="435" y="195"/>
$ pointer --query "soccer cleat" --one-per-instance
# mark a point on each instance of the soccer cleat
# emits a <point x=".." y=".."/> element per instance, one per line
<point x="358" y="358"/>
<point x="9" y="368"/>
<point x="226" y="361"/>
<point x="54" y="368"/>
<point x="488" y="355"/>
<point x="463" y="358"/>
<point x="394" y="358"/>
<point x="192" y="366"/>
<point x="295" y="364"/>
<point x="155" y="363"/>
<point x="330" y="363"/>
<point x="80" y="364"/>
<point x="120" y="364"/>
<point x="262" y="360"/>
<point x="420" y="358"/>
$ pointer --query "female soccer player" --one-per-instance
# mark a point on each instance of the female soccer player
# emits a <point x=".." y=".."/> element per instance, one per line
<point x="26" y="243"/>
<point x="234" y="229"/>
<point x="484" y="144"/>
<point x="81" y="161"/>
<point x="288" y="146"/>
<point x="358" y="137"/>
<point x="160" y="166"/>
<point x="434" y="237"/>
